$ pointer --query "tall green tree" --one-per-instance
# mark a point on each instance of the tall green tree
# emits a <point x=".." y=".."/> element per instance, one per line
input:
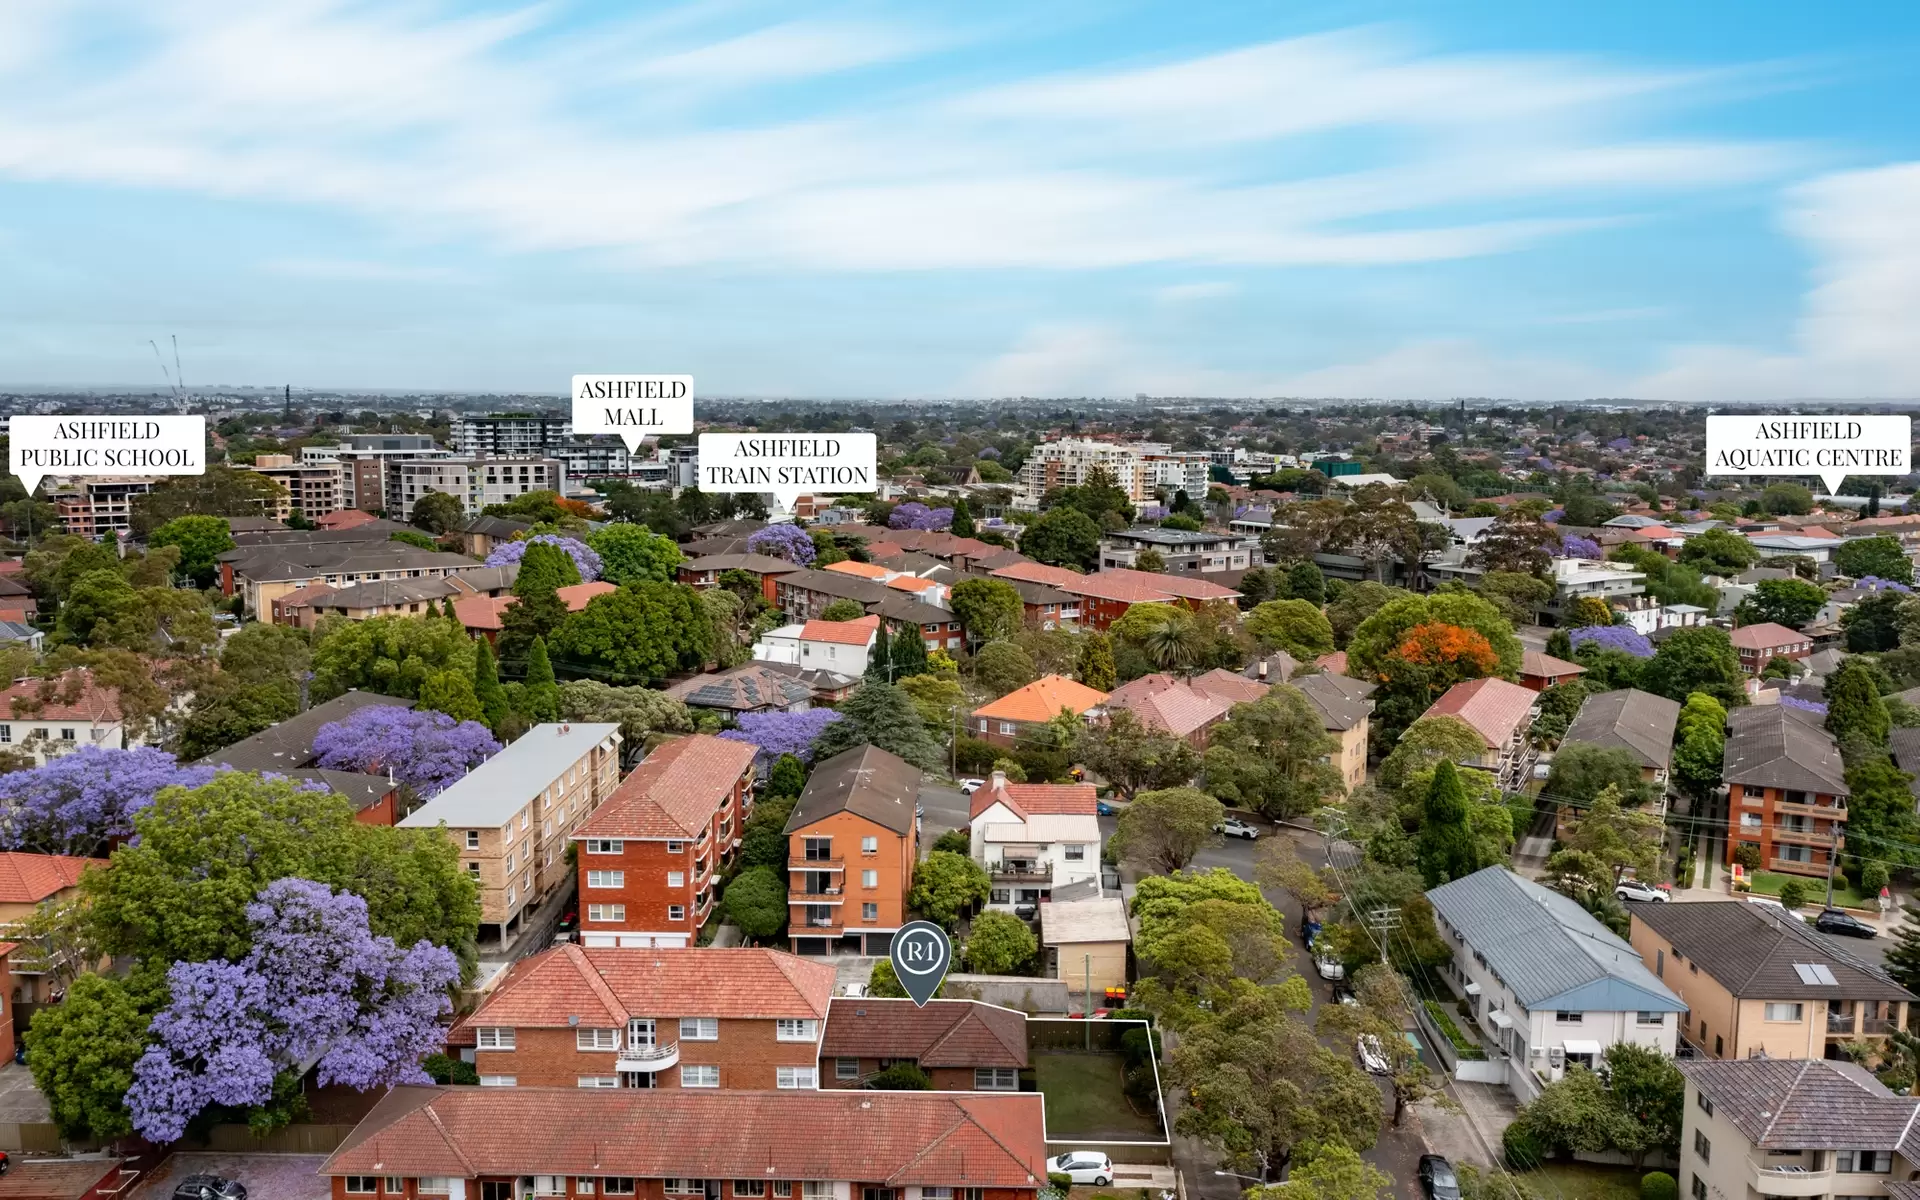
<point x="1095" y="668"/>
<point x="1306" y="582"/>
<point x="999" y="943"/>
<point x="540" y="692"/>
<point x="438" y="512"/>
<point x="1903" y="956"/>
<point x="1699" y="745"/>
<point x="962" y="525"/>
<point x="1719" y="552"/>
<point x="880" y="655"/>
<point x="988" y="609"/>
<point x="632" y="553"/>
<point x="880" y="714"/>
<point x="1878" y="556"/>
<point x="948" y="886"/>
<point x="1696" y="660"/>
<point x="1133" y="758"/>
<point x="545" y="567"/>
<point x="486" y="685"/>
<point x="1789" y="602"/>
<point x="1445" y="844"/>
<point x="395" y="656"/>
<point x="1274" y="755"/>
<point x="909" y="652"/>
<point x="200" y="539"/>
<point x="1296" y="626"/>
<point x="756" y="901"/>
<point x="1164" y="829"/>
<point x="1856" y="716"/>
<point x="82" y="1051"/>
<point x="1063" y="537"/>
<point x="642" y="632"/>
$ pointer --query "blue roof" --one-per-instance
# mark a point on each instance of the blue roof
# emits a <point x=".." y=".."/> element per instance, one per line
<point x="1547" y="949"/>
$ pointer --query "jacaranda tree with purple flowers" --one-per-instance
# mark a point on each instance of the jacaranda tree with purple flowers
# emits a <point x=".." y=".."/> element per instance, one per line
<point x="583" y="555"/>
<point x="426" y="750"/>
<point x="80" y="803"/>
<point x="782" y="733"/>
<point x="317" y="987"/>
<point x="1812" y="706"/>
<point x="1572" y="545"/>
<point x="915" y="515"/>
<point x="783" y="541"/>
<point x="1612" y="637"/>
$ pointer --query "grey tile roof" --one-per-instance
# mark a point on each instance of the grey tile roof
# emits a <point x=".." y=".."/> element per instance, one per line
<point x="865" y="781"/>
<point x="501" y="786"/>
<point x="1774" y="745"/>
<point x="1905" y="745"/>
<point x="1804" y="1104"/>
<point x="495" y="527"/>
<point x="1342" y="700"/>
<point x="759" y="564"/>
<point x="385" y="593"/>
<point x="1751" y="950"/>
<point x="1546" y="948"/>
<point x="1631" y="719"/>
<point x="288" y="746"/>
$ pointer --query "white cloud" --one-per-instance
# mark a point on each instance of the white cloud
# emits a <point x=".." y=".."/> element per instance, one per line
<point x="353" y="269"/>
<point x="1184" y="293"/>
<point x="506" y="129"/>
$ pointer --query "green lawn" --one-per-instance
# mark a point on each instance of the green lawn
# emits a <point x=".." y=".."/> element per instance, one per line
<point x="1769" y="883"/>
<point x="1085" y="1098"/>
<point x="1584" y="1181"/>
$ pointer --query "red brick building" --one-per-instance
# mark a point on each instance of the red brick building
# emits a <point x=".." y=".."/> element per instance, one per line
<point x="1786" y="789"/>
<point x="1105" y="596"/>
<point x="504" y="1144"/>
<point x="647" y="858"/>
<point x="962" y="1045"/>
<point x="1005" y="721"/>
<point x="735" y="1018"/>
<point x="852" y="844"/>
<point x="1757" y="645"/>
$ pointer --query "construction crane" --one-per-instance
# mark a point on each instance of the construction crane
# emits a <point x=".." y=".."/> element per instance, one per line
<point x="177" y="378"/>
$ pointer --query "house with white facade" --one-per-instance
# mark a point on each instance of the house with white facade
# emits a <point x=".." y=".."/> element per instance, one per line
<point x="1608" y="582"/>
<point x="838" y="646"/>
<point x="1548" y="986"/>
<point x="1034" y="837"/>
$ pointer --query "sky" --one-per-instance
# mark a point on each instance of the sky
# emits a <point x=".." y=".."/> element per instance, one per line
<point x="1700" y="202"/>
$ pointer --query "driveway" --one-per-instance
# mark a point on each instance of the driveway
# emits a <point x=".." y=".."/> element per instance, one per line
<point x="20" y="1101"/>
<point x="266" y="1176"/>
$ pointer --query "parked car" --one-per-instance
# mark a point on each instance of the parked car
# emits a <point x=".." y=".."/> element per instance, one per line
<point x="1640" y="890"/>
<point x="208" y="1187"/>
<point x="1329" y="966"/>
<point x="1309" y="930"/>
<point x="1104" y="809"/>
<point x="1373" y="1056"/>
<point x="1083" y="1166"/>
<point x="1845" y="924"/>
<point x="6" y="1162"/>
<point x="969" y="786"/>
<point x="1342" y="994"/>
<point x="1235" y="827"/>
<point x="1437" y="1180"/>
<point x="1027" y="912"/>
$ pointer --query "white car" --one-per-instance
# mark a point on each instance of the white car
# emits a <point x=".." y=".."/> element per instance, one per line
<point x="1235" y="827"/>
<point x="1635" y="889"/>
<point x="1372" y="1055"/>
<point x="1083" y="1166"/>
<point x="1329" y="967"/>
<point x="969" y="786"/>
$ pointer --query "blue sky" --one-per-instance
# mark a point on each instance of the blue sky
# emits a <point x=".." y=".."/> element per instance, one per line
<point x="1695" y="202"/>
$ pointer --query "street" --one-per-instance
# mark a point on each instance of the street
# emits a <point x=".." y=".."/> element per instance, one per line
<point x="1398" y="1150"/>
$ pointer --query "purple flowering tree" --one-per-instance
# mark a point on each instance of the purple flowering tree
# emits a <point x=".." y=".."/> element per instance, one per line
<point x="426" y="750"/>
<point x="783" y="541"/>
<point x="782" y="733"/>
<point x="1873" y="583"/>
<point x="915" y="515"/>
<point x="1812" y="706"/>
<point x="316" y="986"/>
<point x="1572" y="545"/>
<point x="583" y="555"/>
<point x="80" y="803"/>
<point x="1153" y="512"/>
<point x="1612" y="637"/>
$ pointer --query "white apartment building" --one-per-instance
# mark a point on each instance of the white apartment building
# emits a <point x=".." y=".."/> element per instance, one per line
<point x="1065" y="463"/>
<point x="1033" y="838"/>
<point x="510" y="433"/>
<point x="313" y="489"/>
<point x="475" y="482"/>
<point x="366" y="461"/>
<point x="98" y="506"/>
<point x="1574" y="578"/>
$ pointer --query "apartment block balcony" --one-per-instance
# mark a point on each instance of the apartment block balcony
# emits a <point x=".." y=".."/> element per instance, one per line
<point x="1788" y="1181"/>
<point x="816" y="864"/>
<point x="648" y="1058"/>
<point x="1020" y="872"/>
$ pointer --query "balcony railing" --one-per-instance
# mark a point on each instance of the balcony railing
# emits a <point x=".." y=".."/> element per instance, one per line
<point x="1021" y="873"/>
<point x="1798" y="866"/>
<point x="1879" y="1025"/>
<point x="811" y="893"/>
<point x="1839" y="1022"/>
<point x="648" y="1058"/>
<point x="1788" y="1181"/>
<point x="817" y="864"/>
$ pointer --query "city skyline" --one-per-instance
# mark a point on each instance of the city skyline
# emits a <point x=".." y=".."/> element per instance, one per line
<point x="886" y="201"/>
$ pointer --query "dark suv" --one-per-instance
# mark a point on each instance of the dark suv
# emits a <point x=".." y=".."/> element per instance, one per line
<point x="208" y="1187"/>
<point x="1845" y="924"/>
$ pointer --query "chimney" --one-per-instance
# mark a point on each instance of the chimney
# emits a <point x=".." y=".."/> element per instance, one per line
<point x="998" y="782"/>
<point x="1263" y="670"/>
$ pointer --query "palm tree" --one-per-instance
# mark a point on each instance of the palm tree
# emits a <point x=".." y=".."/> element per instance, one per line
<point x="1173" y="644"/>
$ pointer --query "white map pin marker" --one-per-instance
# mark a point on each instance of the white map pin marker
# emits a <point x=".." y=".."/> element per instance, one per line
<point x="1831" y="447"/>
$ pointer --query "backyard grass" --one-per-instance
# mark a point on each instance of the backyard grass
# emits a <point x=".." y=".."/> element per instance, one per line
<point x="1585" y="1181"/>
<point x="1085" y="1098"/>
<point x="1769" y="883"/>
<point x="1466" y="1046"/>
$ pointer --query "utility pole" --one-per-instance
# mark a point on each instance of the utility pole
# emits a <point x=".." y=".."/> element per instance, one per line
<point x="1086" y="1009"/>
<point x="1833" y="856"/>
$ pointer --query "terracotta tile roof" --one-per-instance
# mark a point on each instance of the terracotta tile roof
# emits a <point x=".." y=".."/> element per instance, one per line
<point x="1034" y="572"/>
<point x="31" y="878"/>
<point x="345" y="518"/>
<point x="946" y="1033"/>
<point x="899" y="1139"/>
<point x="1335" y="662"/>
<point x="1228" y="686"/>
<point x="1766" y="635"/>
<point x="1036" y="799"/>
<point x="1545" y="666"/>
<point x="858" y="569"/>
<point x="605" y="986"/>
<point x="1492" y="706"/>
<point x="1042" y="700"/>
<point x="577" y="596"/>
<point x="486" y="612"/>
<point x="73" y="697"/>
<point x="912" y="583"/>
<point x="1185" y="586"/>
<point x="844" y="633"/>
<point x="1168" y="704"/>
<point x="674" y="793"/>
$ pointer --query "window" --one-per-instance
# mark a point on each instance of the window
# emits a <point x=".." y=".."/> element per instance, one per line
<point x="816" y="1189"/>
<point x="783" y="1190"/>
<point x="1699" y="1188"/>
<point x="494" y="1037"/>
<point x="617" y="1185"/>
<point x="606" y="879"/>
<point x="869" y="845"/>
<point x="606" y="912"/>
<point x="1006" y="727"/>
<point x="362" y="1185"/>
<point x="395" y="1186"/>
<point x="498" y="1081"/>
<point x="66" y="735"/>
<point x="996" y="1079"/>
<point x="598" y="1081"/>
<point x="1865" y="1162"/>
<point x="604" y="846"/>
<point x="596" y="1039"/>
<point x="1650" y="1018"/>
<point x="473" y="869"/>
<point x="795" y="1077"/>
<point x="749" y="1187"/>
<point x="794" y="1029"/>
<point x="473" y="839"/>
<point x="869" y="879"/>
<point x="1000" y="896"/>
<point x="434" y="1185"/>
<point x="846" y="1068"/>
<point x="675" y="847"/>
<point x="699" y="1029"/>
<point x="525" y="816"/>
<point x="879" y="1193"/>
<point x="869" y="912"/>
<point x="1073" y="853"/>
<point x="685" y="1187"/>
<point x="676" y="912"/>
<point x="676" y="879"/>
<point x="549" y="1185"/>
<point x="1702" y="1146"/>
<point x="1784" y="1011"/>
<point x="583" y="1187"/>
<point x="983" y="724"/>
<point x="1719" y="1046"/>
<point x="699" y="1077"/>
<point x="1703" y="1103"/>
<point x="1563" y="1017"/>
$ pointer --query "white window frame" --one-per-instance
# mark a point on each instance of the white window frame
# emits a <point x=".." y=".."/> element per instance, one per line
<point x="361" y="1185"/>
<point x="676" y="912"/>
<point x="499" y="1081"/>
<point x="617" y="1185"/>
<point x="494" y="1037"/>
<point x="796" y="1029"/>
<point x="676" y="879"/>
<point x="1795" y="1011"/>
<point x="697" y="1075"/>
<point x="796" y="1078"/>
<point x="597" y="1081"/>
<point x="605" y="845"/>
<point x="596" y="1039"/>
<point x="869" y="845"/>
<point x="434" y="1185"/>
<point x="606" y="880"/>
<point x="607" y="913"/>
<point x="684" y="1187"/>
<point x="746" y="1189"/>
<point x="699" y="1029"/>
<point x="997" y="1079"/>
<point x="869" y="879"/>
<point x="473" y="839"/>
<point x="846" y="1068"/>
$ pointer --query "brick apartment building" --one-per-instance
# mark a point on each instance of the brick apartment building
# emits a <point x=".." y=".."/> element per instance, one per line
<point x="738" y="1018"/>
<point x="962" y="1045"/>
<point x="1786" y="788"/>
<point x="512" y="815"/>
<point x="1010" y="720"/>
<point x="647" y="858"/>
<point x="852" y="845"/>
<point x="1105" y="596"/>
<point x="1758" y="645"/>
<point x="448" y="1142"/>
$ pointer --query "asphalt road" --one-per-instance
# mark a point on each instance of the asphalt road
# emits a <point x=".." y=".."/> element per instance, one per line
<point x="1398" y="1150"/>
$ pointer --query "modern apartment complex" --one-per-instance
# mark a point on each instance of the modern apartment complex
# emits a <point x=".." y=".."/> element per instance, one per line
<point x="366" y="461"/>
<point x="512" y="816"/>
<point x="98" y="506"/>
<point x="578" y="1017"/>
<point x="648" y="858"/>
<point x="1181" y="551"/>
<point x="852" y="844"/>
<point x="313" y="489"/>
<point x="475" y="482"/>
<point x="506" y="434"/>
